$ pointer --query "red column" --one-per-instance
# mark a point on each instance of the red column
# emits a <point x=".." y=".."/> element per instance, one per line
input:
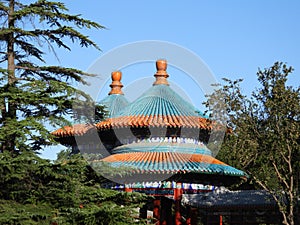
<point x="127" y="188"/>
<point x="177" y="198"/>
<point x="156" y="210"/>
<point x="221" y="220"/>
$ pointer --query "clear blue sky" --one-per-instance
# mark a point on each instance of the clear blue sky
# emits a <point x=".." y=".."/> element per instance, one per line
<point x="232" y="37"/>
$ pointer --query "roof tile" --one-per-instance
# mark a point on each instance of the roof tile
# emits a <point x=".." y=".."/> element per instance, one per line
<point x="74" y="130"/>
<point x="171" y="162"/>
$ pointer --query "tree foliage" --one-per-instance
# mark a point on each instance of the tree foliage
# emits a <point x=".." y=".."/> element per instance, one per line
<point x="266" y="133"/>
<point x="35" y="191"/>
<point x="33" y="93"/>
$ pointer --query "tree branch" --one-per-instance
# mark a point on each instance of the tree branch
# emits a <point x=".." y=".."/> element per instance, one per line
<point x="280" y="176"/>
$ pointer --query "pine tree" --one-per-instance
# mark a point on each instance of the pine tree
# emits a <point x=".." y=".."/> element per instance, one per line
<point x="32" y="92"/>
<point x="66" y="191"/>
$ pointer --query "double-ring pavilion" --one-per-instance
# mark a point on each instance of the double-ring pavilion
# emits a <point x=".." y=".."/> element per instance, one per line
<point x="156" y="145"/>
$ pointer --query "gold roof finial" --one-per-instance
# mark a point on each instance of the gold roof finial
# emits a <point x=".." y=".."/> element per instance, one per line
<point x="116" y="84"/>
<point x="161" y="73"/>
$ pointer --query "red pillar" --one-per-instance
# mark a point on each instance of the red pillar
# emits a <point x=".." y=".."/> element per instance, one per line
<point x="221" y="220"/>
<point x="177" y="198"/>
<point x="127" y="189"/>
<point x="156" y="210"/>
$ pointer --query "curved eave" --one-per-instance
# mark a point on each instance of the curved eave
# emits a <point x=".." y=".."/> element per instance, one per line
<point x="74" y="130"/>
<point x="159" y="121"/>
<point x="171" y="163"/>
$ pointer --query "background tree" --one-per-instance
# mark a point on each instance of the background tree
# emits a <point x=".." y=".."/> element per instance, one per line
<point x="67" y="191"/>
<point x="33" y="93"/>
<point x="266" y="134"/>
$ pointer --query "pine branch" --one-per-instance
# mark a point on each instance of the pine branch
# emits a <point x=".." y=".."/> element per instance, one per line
<point x="56" y="35"/>
<point x="30" y="50"/>
<point x="3" y="8"/>
<point x="53" y="12"/>
<point x="54" y="70"/>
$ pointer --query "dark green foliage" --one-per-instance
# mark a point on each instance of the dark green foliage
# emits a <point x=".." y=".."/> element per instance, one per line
<point x="34" y="95"/>
<point x="266" y="133"/>
<point x="89" y="112"/>
<point x="12" y="212"/>
<point x="35" y="191"/>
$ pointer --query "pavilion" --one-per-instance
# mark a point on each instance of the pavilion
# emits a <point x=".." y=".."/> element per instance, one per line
<point x="159" y="141"/>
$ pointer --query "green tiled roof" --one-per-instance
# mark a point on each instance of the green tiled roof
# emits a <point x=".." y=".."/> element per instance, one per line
<point x="114" y="103"/>
<point x="160" y="100"/>
<point x="162" y="147"/>
<point x="171" y="163"/>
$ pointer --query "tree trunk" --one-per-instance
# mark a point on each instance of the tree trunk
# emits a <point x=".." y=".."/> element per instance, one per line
<point x="11" y="110"/>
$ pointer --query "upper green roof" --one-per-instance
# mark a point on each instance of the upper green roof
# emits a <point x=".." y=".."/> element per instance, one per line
<point x="114" y="103"/>
<point x="160" y="100"/>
